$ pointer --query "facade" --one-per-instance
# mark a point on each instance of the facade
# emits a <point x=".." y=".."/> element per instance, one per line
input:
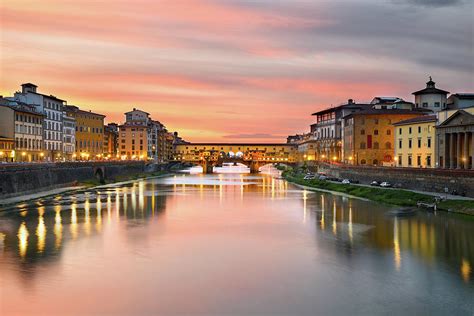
<point x="89" y="133"/>
<point x="52" y="108"/>
<point x="23" y="124"/>
<point x="326" y="135"/>
<point x="369" y="136"/>
<point x="69" y="137"/>
<point x="415" y="142"/>
<point x="431" y="97"/>
<point x="133" y="138"/>
<point x="110" y="140"/>
<point x="455" y="141"/>
<point x="7" y="149"/>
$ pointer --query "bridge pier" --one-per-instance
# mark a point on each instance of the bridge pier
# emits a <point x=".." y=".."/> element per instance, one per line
<point x="207" y="168"/>
<point x="254" y="167"/>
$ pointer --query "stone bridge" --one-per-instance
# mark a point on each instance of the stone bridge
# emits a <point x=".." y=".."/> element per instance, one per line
<point x="209" y="155"/>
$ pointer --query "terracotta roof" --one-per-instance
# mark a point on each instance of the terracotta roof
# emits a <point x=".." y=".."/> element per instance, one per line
<point x="346" y="106"/>
<point x="419" y="119"/>
<point x="384" y="112"/>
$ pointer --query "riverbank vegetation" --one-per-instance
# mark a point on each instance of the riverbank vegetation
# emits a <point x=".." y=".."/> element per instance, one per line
<point x="389" y="196"/>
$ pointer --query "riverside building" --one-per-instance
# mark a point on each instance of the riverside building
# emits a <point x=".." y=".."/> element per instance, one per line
<point x="89" y="135"/>
<point x="415" y="142"/>
<point x="52" y="108"/>
<point x="369" y="135"/>
<point x="21" y="123"/>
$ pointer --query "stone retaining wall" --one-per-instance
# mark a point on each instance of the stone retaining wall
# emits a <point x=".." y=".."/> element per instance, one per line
<point x="29" y="178"/>
<point x="432" y="180"/>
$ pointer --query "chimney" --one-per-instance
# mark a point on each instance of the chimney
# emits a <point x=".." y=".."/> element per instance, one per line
<point x="350" y="101"/>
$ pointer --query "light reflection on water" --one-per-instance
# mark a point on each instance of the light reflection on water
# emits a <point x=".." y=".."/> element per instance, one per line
<point x="230" y="244"/>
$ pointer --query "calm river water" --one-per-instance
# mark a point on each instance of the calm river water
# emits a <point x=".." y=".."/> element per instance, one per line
<point x="230" y="244"/>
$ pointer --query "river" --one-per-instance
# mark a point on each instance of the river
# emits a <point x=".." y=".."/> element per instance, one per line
<point x="230" y="244"/>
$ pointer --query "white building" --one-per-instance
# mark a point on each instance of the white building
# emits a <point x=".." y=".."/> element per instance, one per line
<point x="52" y="108"/>
<point x="69" y="137"/>
<point x="431" y="98"/>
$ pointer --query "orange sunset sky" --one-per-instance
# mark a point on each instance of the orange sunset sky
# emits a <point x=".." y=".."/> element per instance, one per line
<point x="245" y="71"/>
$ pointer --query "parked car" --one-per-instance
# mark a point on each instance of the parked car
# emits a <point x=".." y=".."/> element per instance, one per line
<point x="374" y="184"/>
<point x="355" y="181"/>
<point x="385" y="184"/>
<point x="309" y="177"/>
<point x="346" y="181"/>
<point x="323" y="178"/>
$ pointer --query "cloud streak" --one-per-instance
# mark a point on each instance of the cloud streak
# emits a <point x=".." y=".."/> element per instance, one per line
<point x="226" y="70"/>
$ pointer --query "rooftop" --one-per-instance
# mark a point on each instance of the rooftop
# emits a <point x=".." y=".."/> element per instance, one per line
<point x="430" y="89"/>
<point x="350" y="104"/>
<point x="419" y="119"/>
<point x="385" y="112"/>
<point x="464" y="96"/>
<point x="76" y="109"/>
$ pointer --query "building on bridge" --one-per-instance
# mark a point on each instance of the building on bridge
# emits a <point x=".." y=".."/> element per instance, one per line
<point x="253" y="155"/>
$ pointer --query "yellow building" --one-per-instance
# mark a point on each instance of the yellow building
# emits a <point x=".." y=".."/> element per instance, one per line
<point x="415" y="142"/>
<point x="369" y="135"/>
<point x="89" y="133"/>
<point x="133" y="141"/>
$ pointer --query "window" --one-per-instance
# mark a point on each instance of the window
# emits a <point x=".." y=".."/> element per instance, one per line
<point x="428" y="144"/>
<point x="362" y="145"/>
<point x="409" y="143"/>
<point x="419" y="129"/>
<point x="419" y="142"/>
<point x="425" y="104"/>
<point x="409" y="130"/>
<point x="428" y="161"/>
<point x="400" y="143"/>
<point x="399" y="160"/>
<point x="418" y="161"/>
<point x="409" y="160"/>
<point x="362" y="131"/>
<point x="388" y="145"/>
<point x="363" y="162"/>
<point x="389" y="132"/>
<point x="376" y="145"/>
<point x="436" y="104"/>
<point x="376" y="132"/>
<point x="400" y="131"/>
<point x="376" y="121"/>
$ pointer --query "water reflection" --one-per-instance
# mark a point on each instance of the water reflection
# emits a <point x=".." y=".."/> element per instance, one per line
<point x="311" y="232"/>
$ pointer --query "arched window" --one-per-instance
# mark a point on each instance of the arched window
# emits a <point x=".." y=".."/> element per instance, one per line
<point x="376" y="145"/>
<point x="362" y="131"/>
<point x="376" y="132"/>
<point x="388" y="145"/>
<point x="389" y="132"/>
<point x="363" y="162"/>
